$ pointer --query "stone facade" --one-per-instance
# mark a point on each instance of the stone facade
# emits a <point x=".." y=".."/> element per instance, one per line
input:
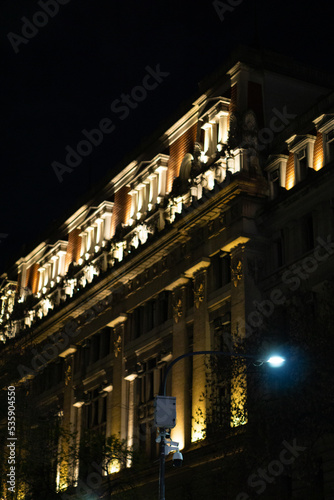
<point x="208" y="232"/>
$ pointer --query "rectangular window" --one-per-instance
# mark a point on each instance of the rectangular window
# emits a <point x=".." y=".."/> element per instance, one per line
<point x="142" y="390"/>
<point x="274" y="179"/>
<point x="95" y="413"/>
<point x="95" y="347"/>
<point x="221" y="270"/>
<point x="149" y="309"/>
<point x="150" y="385"/>
<point x="89" y="412"/>
<point x="216" y="270"/>
<point x="105" y="342"/>
<point x="330" y="146"/>
<point x="163" y="306"/>
<point x="226" y="268"/>
<point x="301" y="164"/>
<point x="104" y="410"/>
<point x="59" y="371"/>
<point x="138" y="318"/>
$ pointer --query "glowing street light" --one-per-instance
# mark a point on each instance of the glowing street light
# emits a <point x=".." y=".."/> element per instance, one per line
<point x="276" y="361"/>
<point x="165" y="407"/>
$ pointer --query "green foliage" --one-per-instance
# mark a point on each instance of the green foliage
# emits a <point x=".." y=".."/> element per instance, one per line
<point x="293" y="403"/>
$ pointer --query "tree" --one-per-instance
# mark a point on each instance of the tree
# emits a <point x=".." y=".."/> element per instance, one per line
<point x="286" y="407"/>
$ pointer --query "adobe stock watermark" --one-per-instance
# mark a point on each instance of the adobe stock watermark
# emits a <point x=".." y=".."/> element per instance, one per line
<point x="95" y="479"/>
<point x="59" y="341"/>
<point x="292" y="277"/>
<point x="121" y="107"/>
<point x="93" y="482"/>
<point x="278" y="122"/>
<point x="296" y="273"/>
<point x="222" y="7"/>
<point x="30" y="28"/>
<point x="275" y="468"/>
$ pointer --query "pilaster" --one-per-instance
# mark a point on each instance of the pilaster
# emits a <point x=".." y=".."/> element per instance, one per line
<point x="201" y="341"/>
<point x="246" y="268"/>
<point x="118" y="412"/>
<point x="180" y="374"/>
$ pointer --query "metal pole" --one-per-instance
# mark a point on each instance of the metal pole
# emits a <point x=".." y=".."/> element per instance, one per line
<point x="194" y="353"/>
<point x="162" y="466"/>
<point x="163" y="390"/>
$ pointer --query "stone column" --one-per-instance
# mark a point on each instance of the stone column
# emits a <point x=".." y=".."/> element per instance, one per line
<point x="246" y="268"/>
<point x="118" y="412"/>
<point x="201" y="343"/>
<point x="131" y="418"/>
<point x="64" y="471"/>
<point x="180" y="372"/>
<point x="239" y="376"/>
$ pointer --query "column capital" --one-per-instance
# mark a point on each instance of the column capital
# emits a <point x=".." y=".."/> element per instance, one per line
<point x="117" y="321"/>
<point x="235" y="244"/>
<point x="177" y="283"/>
<point x="200" y="265"/>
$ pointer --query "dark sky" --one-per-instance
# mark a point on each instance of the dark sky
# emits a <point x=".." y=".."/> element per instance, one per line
<point x="67" y="74"/>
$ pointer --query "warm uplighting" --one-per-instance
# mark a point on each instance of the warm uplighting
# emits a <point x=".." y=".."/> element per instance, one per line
<point x="178" y="435"/>
<point x="239" y="395"/>
<point x="198" y="432"/>
<point x="114" y="466"/>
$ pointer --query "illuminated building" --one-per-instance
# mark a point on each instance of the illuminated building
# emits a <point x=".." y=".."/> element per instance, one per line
<point x="179" y="244"/>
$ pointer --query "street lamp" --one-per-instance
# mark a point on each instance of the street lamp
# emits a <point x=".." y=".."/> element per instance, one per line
<point x="165" y="407"/>
<point x="276" y="361"/>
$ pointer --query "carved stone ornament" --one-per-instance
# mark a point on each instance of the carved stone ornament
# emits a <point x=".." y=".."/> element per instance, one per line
<point x="237" y="273"/>
<point x="118" y="345"/>
<point x="249" y="130"/>
<point x="68" y="374"/>
<point x="222" y="218"/>
<point x="177" y="306"/>
<point x="199" y="293"/>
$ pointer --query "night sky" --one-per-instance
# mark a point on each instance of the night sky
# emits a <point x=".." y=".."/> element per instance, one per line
<point x="65" y="77"/>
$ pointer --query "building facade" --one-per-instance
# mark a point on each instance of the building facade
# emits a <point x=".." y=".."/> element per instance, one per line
<point x="198" y="244"/>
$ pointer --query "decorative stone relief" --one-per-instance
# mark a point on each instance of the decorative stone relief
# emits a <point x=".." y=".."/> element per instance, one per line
<point x="68" y="374"/>
<point x="249" y="130"/>
<point x="237" y="272"/>
<point x="118" y="345"/>
<point x="177" y="305"/>
<point x="222" y="218"/>
<point x="199" y="291"/>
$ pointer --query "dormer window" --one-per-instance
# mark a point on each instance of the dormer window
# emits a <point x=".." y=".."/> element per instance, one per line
<point x="330" y="145"/>
<point x="301" y="164"/>
<point x="148" y="188"/>
<point x="215" y="121"/>
<point x="274" y="179"/>
<point x="276" y="174"/>
<point x="52" y="266"/>
<point x="302" y="148"/>
<point x="96" y="229"/>
<point x="325" y="126"/>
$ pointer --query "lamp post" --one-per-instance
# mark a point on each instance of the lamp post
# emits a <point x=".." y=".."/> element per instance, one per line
<point x="275" y="361"/>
